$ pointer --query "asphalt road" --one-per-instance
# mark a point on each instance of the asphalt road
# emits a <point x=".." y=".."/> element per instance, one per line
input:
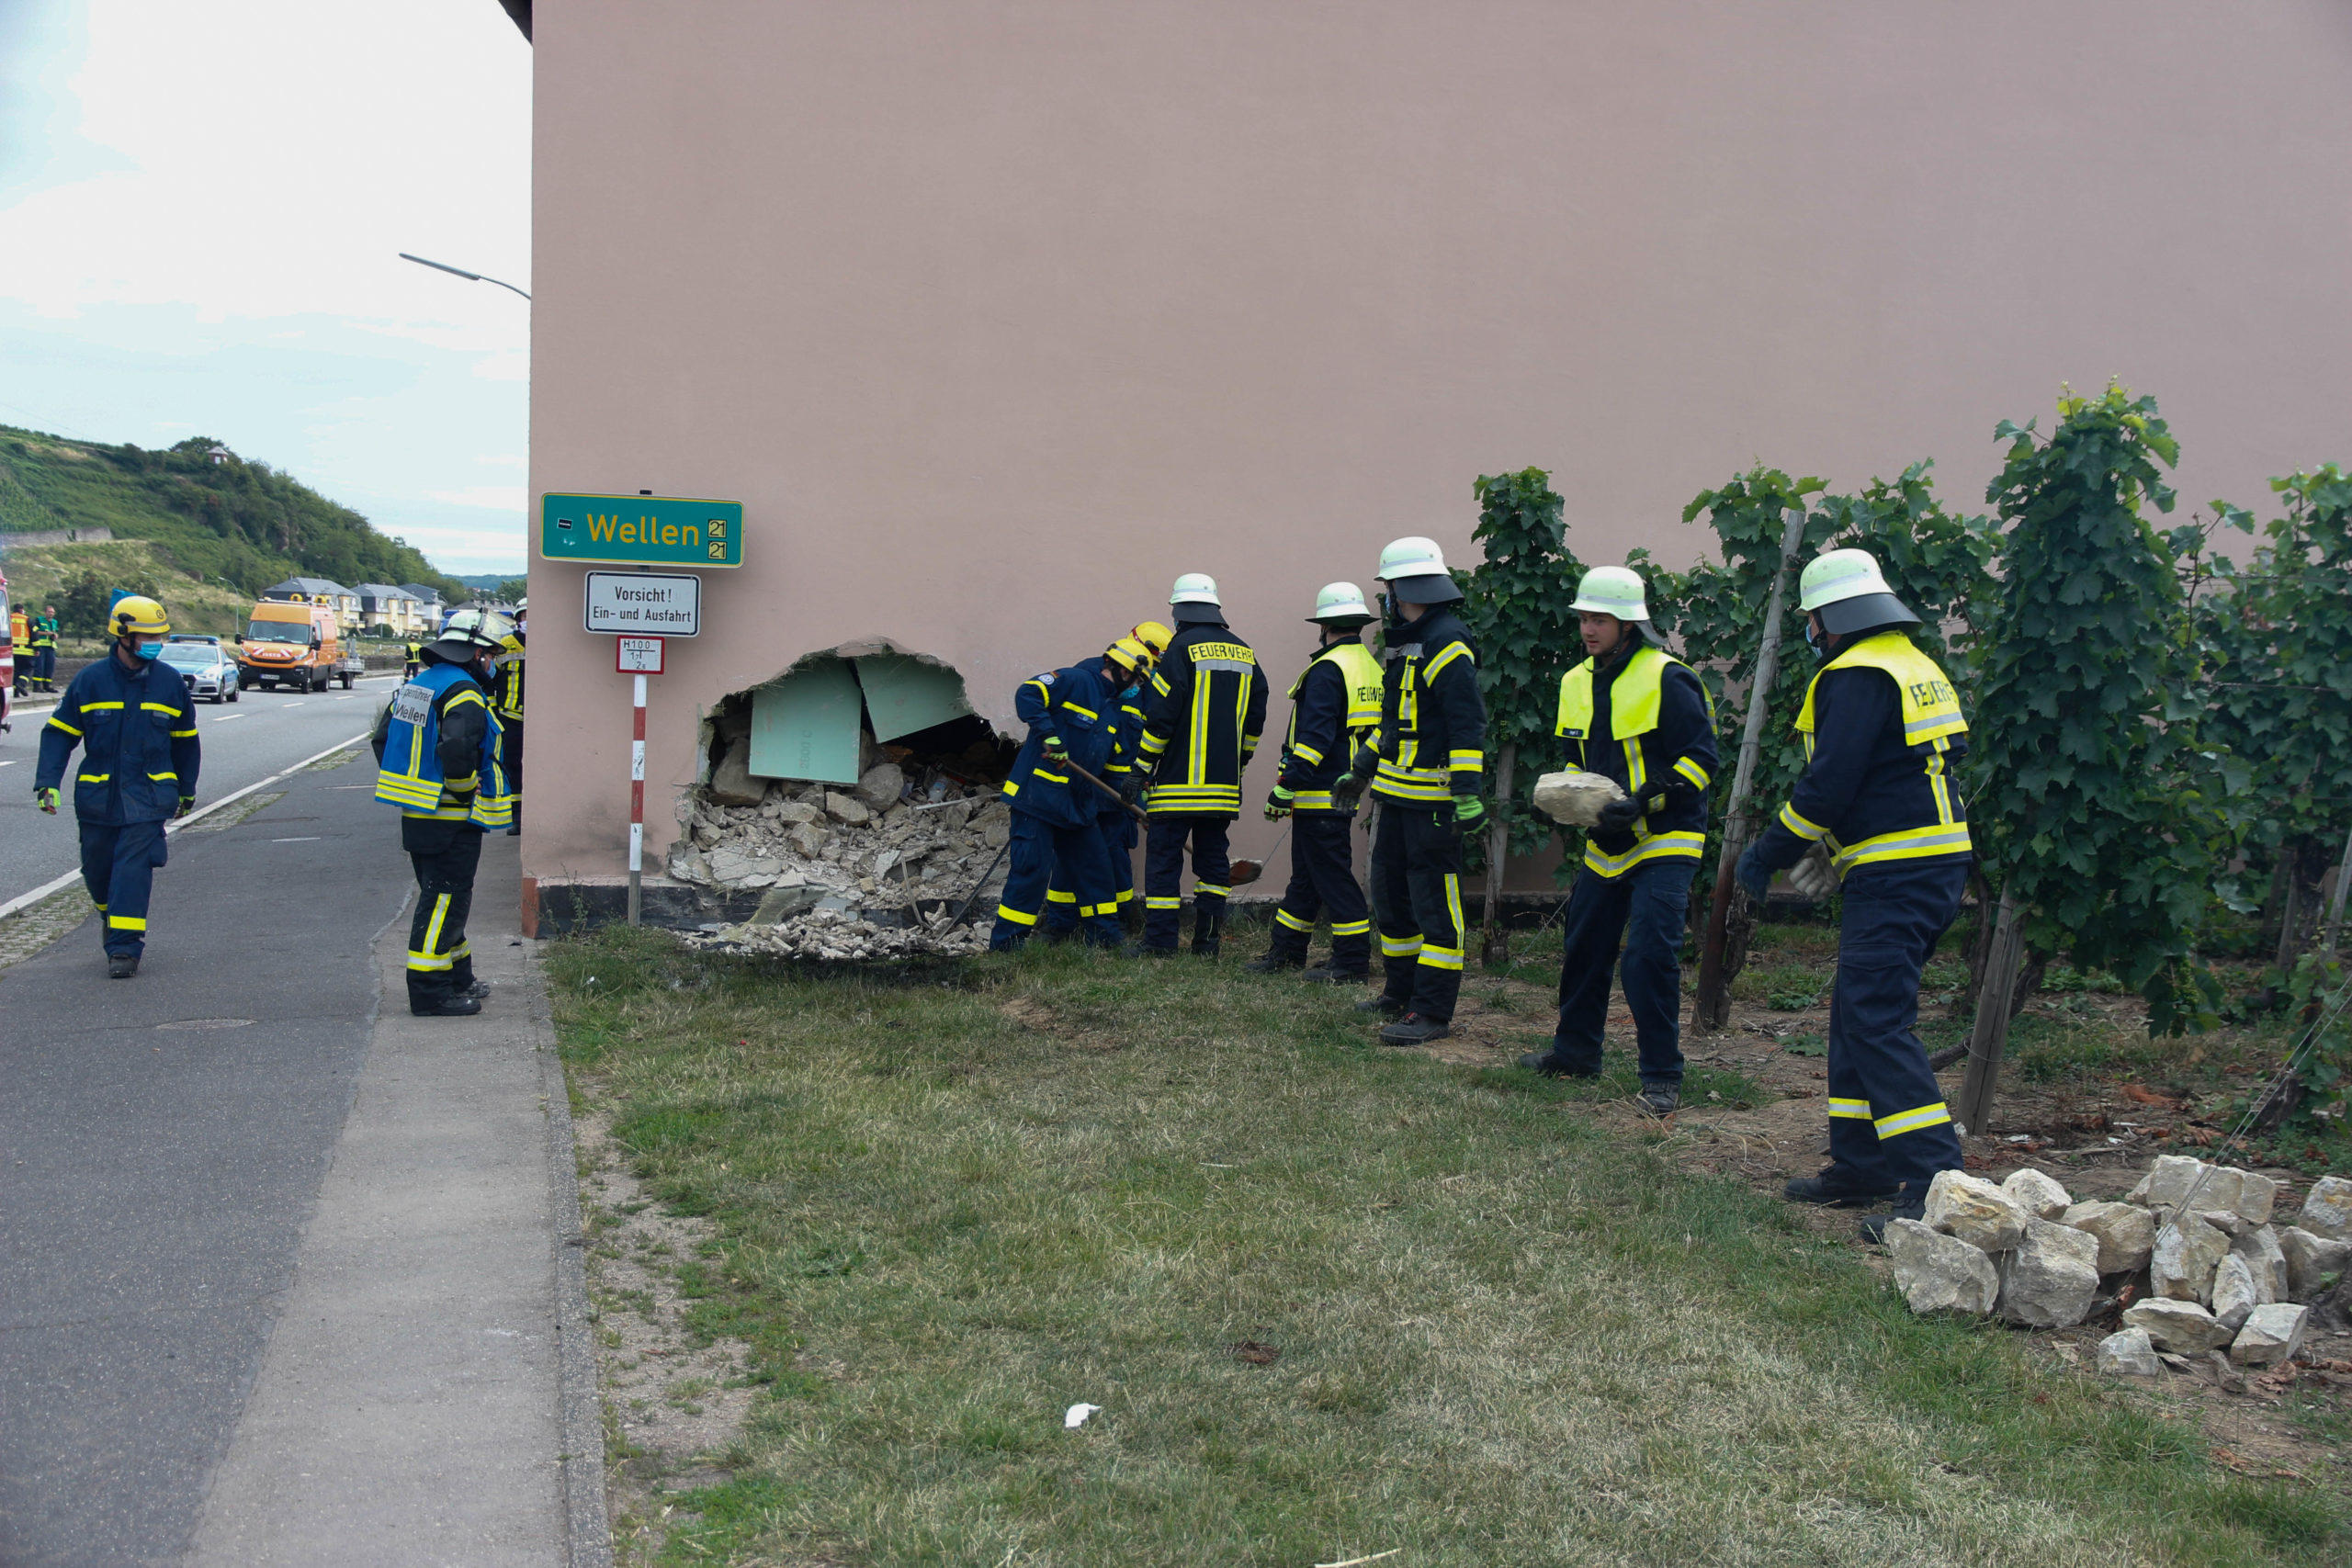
<point x="244" y="741"/>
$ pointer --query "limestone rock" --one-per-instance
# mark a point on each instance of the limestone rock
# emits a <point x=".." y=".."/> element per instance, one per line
<point x="880" y="786"/>
<point x="2272" y="1334"/>
<point x="2233" y="1292"/>
<point x="1936" y="1272"/>
<point x="2182" y="1181"/>
<point x="793" y="813"/>
<point x="2126" y="1232"/>
<point x="2048" y="1280"/>
<point x="847" y="811"/>
<point x="783" y="903"/>
<point x="731" y="783"/>
<point x="2188" y="1251"/>
<point x="2183" y="1327"/>
<point x="1575" y="798"/>
<point x="2256" y="1195"/>
<point x="2128" y="1353"/>
<point x="2327" y="1209"/>
<point x="807" y="840"/>
<point x="1975" y="1211"/>
<point x="2037" y="1194"/>
<point x="2266" y="1260"/>
<point x="2229" y="1221"/>
<point x="2311" y="1261"/>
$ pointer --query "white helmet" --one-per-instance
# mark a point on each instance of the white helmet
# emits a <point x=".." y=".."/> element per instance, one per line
<point x="468" y="634"/>
<point x="1414" y="569"/>
<point x="1341" y="604"/>
<point x="1851" y="594"/>
<point x="1613" y="591"/>
<point x="1195" y="587"/>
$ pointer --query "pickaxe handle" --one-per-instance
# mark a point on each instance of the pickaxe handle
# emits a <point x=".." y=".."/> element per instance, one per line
<point x="1133" y="810"/>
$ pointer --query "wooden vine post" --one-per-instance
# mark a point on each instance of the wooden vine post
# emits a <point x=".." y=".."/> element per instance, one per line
<point x="1713" y="1007"/>
<point x="1990" y="1036"/>
<point x="1494" y="946"/>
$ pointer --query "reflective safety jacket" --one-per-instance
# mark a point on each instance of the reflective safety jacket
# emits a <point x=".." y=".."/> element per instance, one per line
<point x="1644" y="719"/>
<point x="20" y="631"/>
<point x="509" y="681"/>
<point x="137" y="732"/>
<point x="1335" y="707"/>
<point x="44" y="631"/>
<point x="1881" y="726"/>
<point x="1432" y="737"/>
<point x="1080" y="707"/>
<point x="1208" y="706"/>
<point x="436" y="749"/>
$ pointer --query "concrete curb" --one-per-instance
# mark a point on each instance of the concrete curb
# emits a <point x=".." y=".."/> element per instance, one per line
<point x="580" y="1410"/>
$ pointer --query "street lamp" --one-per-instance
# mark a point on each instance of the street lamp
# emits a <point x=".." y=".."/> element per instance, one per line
<point x="461" y="271"/>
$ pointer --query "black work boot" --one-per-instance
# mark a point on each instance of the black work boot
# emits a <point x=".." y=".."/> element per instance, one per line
<point x="1551" y="1067"/>
<point x="1208" y="928"/>
<point x="1273" y="963"/>
<point x="449" y="1004"/>
<point x="1415" y="1029"/>
<point x="1334" y="974"/>
<point x="121" y="965"/>
<point x="1660" y="1099"/>
<point x="1383" y="1004"/>
<point x="1840" y="1187"/>
<point x="1910" y="1204"/>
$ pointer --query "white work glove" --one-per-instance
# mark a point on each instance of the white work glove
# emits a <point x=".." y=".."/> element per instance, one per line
<point x="1815" y="876"/>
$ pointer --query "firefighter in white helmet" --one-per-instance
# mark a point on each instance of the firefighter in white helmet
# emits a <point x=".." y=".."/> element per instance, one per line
<point x="1633" y="713"/>
<point x="1200" y="729"/>
<point x="1335" y="707"/>
<point x="1881" y="726"/>
<point x="1425" y="766"/>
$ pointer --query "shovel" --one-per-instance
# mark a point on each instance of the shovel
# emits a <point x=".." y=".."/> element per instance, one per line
<point x="1243" y="873"/>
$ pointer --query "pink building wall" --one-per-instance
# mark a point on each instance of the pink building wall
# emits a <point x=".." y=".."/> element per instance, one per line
<point x="997" y="316"/>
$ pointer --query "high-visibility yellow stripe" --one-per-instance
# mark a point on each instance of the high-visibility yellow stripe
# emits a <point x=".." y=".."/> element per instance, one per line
<point x="429" y="962"/>
<point x="1007" y="912"/>
<point x="1209" y="890"/>
<point x="1305" y="753"/>
<point x="157" y="707"/>
<point x="1351" y="927"/>
<point x="1802" y="827"/>
<point x="1059" y="897"/>
<point x="92" y="778"/>
<point x="433" y="927"/>
<point x="1459" y="761"/>
<point x="1155" y="901"/>
<point x="1284" y="918"/>
<point x="1858" y="1109"/>
<point x="1453" y="904"/>
<point x="1073" y="707"/>
<point x="1399" y="946"/>
<point x="1454" y="651"/>
<point x="1313" y="800"/>
<point x="1661" y="846"/>
<point x="126" y="923"/>
<point x="181" y="733"/>
<point x="99" y="708"/>
<point x="1904" y="1122"/>
<point x="1909" y="843"/>
<point x="1690" y="770"/>
<point x="160" y="777"/>
<point x="1437" y="957"/>
<point x="61" y="724"/>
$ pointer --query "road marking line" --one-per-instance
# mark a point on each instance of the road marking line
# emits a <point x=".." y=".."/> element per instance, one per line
<point x="25" y="900"/>
<point x="11" y="763"/>
<point x="227" y="716"/>
<point x="312" y="839"/>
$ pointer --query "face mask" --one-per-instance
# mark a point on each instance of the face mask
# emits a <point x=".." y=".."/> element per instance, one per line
<point x="149" y="649"/>
<point x="1812" y="641"/>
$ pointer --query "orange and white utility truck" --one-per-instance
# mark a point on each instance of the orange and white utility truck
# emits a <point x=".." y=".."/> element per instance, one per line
<point x="290" y="642"/>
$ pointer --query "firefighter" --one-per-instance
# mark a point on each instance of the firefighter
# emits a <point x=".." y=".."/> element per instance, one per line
<point x="1209" y="699"/>
<point x="1882" y="726"/>
<point x="1335" y="707"/>
<point x="1070" y="714"/>
<point x="20" y="650"/>
<point x="1424" y="766"/>
<point x="437" y="747"/>
<point x="412" y="658"/>
<point x="1633" y="713"/>
<point x="509" y="703"/>
<point x="135" y="723"/>
<point x="1129" y="664"/>
<point x="45" y="649"/>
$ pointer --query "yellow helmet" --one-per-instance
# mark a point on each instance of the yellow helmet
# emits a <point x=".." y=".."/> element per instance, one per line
<point x="135" y="614"/>
<point x="1129" y="655"/>
<point x="1155" y="637"/>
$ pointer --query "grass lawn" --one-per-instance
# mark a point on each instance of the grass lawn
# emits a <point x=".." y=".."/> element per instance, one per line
<point x="950" y="1204"/>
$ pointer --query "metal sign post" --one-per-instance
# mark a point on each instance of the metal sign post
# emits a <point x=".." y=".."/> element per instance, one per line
<point x="638" y="657"/>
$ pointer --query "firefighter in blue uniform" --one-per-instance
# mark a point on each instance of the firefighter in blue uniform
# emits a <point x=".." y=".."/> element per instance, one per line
<point x="1129" y="661"/>
<point x="1633" y="713"/>
<point x="437" y="745"/>
<point x="508" y="701"/>
<point x="1071" y="716"/>
<point x="135" y="723"/>
<point x="1424" y="767"/>
<point x="1335" y="708"/>
<point x="1882" y="726"/>
<point x="1201" y="726"/>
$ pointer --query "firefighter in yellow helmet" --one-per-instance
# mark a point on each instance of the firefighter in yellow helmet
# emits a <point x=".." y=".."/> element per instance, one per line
<point x="135" y="723"/>
<point x="1127" y="663"/>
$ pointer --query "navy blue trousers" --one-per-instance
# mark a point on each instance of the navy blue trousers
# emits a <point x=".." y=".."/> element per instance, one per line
<point x="1645" y="908"/>
<point x="1036" y="851"/>
<point x="118" y="867"/>
<point x="1887" y="1118"/>
<point x="1416" y="896"/>
<point x="1164" y="872"/>
<point x="1118" y="830"/>
<point x="1323" y="882"/>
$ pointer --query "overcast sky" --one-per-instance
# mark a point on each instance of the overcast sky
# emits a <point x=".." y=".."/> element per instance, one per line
<point x="200" y="212"/>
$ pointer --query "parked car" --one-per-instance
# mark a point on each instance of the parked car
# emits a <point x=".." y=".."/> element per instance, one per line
<point x="207" y="667"/>
<point x="296" y="644"/>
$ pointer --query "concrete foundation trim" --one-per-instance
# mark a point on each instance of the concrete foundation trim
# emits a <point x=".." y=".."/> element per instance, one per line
<point x="588" y="1534"/>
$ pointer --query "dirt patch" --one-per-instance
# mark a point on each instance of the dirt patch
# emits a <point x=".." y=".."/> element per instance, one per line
<point x="674" y="1399"/>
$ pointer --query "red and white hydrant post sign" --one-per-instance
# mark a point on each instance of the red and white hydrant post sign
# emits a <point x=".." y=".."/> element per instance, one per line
<point x="626" y="605"/>
<point x="638" y="657"/>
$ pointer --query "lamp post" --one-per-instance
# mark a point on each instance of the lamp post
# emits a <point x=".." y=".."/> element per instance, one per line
<point x="461" y="271"/>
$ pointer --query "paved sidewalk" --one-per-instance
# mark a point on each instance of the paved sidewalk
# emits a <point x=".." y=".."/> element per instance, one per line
<point x="280" y="1279"/>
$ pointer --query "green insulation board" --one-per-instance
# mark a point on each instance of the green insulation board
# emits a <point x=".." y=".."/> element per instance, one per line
<point x="805" y="726"/>
<point x="904" y="694"/>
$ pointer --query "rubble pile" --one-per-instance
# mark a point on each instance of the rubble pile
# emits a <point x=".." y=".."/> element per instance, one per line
<point x="2195" y="1242"/>
<point x="845" y="934"/>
